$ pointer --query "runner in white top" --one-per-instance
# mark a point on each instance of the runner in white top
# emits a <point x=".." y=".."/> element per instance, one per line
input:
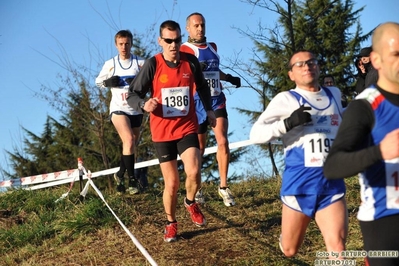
<point x="117" y="74"/>
<point x="306" y="119"/>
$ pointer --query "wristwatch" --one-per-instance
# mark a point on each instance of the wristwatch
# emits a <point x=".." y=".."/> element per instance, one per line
<point x="141" y="104"/>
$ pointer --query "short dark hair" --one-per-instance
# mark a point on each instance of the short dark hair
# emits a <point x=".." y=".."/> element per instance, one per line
<point x="124" y="33"/>
<point x="329" y="76"/>
<point x="289" y="65"/>
<point x="170" y="25"/>
<point x="194" y="14"/>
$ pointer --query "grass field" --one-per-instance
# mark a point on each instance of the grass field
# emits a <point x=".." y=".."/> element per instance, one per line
<point x="35" y="230"/>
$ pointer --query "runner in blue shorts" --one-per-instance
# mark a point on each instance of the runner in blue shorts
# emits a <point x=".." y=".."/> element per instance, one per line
<point x="210" y="61"/>
<point x="367" y="144"/>
<point x="306" y="119"/>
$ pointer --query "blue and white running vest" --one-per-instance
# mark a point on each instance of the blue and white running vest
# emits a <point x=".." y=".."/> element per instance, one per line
<point x="119" y="94"/>
<point x="209" y="60"/>
<point x="379" y="184"/>
<point x="304" y="157"/>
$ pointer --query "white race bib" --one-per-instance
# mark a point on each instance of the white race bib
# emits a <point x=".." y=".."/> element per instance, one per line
<point x="318" y="140"/>
<point x="392" y="183"/>
<point x="175" y="101"/>
<point x="213" y="79"/>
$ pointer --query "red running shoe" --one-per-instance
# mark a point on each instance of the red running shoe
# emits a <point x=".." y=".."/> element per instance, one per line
<point x="196" y="215"/>
<point x="170" y="232"/>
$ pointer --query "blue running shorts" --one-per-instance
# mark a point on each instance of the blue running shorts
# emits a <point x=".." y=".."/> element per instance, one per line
<point x="310" y="204"/>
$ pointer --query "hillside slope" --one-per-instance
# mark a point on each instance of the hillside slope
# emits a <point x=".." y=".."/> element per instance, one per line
<point x="34" y="230"/>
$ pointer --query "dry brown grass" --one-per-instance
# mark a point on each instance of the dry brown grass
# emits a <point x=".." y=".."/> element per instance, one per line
<point x="246" y="234"/>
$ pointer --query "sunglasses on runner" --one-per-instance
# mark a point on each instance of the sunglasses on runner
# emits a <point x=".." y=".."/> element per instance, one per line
<point x="169" y="41"/>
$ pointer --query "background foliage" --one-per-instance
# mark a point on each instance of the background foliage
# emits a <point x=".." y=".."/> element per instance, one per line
<point x="329" y="28"/>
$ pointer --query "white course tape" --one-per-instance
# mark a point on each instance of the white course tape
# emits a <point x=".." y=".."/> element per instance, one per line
<point x="208" y="150"/>
<point x="84" y="192"/>
<point x="134" y="239"/>
<point x="69" y="176"/>
<point x="30" y="180"/>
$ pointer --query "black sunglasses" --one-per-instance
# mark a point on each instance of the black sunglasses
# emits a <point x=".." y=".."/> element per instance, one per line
<point x="169" y="41"/>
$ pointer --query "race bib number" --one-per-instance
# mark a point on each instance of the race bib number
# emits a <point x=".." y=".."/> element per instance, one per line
<point x="392" y="181"/>
<point x="213" y="79"/>
<point x="124" y="95"/>
<point x="318" y="140"/>
<point x="316" y="148"/>
<point x="175" y="101"/>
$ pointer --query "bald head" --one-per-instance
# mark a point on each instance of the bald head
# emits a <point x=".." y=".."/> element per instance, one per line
<point x="384" y="33"/>
<point x="385" y="55"/>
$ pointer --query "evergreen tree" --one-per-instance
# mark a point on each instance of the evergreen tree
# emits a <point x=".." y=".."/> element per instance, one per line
<point x="328" y="28"/>
<point x="84" y="129"/>
<point x="30" y="160"/>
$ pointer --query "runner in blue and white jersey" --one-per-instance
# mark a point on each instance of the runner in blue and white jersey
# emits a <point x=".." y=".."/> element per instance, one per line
<point x="206" y="52"/>
<point x="306" y="119"/>
<point x="368" y="143"/>
<point x="117" y="73"/>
